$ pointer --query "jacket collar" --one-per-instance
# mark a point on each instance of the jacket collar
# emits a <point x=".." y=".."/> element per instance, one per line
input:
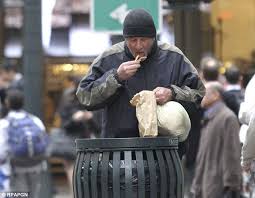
<point x="235" y="87"/>
<point x="213" y="110"/>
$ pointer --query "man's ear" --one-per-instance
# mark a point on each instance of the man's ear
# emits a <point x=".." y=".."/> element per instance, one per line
<point x="217" y="95"/>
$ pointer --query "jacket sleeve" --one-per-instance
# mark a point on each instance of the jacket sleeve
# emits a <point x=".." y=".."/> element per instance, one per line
<point x="189" y="87"/>
<point x="99" y="87"/>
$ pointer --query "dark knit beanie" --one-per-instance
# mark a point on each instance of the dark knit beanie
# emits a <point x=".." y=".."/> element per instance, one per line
<point x="139" y="23"/>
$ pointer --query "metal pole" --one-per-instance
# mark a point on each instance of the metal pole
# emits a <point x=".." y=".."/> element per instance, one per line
<point x="33" y="57"/>
<point x="220" y="22"/>
<point x="33" y="72"/>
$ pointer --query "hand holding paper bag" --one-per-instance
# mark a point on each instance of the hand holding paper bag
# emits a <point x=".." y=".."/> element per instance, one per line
<point x="170" y="119"/>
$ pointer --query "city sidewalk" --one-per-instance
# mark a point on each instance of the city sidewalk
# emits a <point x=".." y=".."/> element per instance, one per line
<point x="62" y="192"/>
<point x="61" y="188"/>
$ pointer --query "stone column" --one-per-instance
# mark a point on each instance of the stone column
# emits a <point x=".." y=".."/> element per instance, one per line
<point x="188" y="34"/>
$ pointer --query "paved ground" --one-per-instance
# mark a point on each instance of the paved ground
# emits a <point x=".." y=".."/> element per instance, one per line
<point x="61" y="188"/>
<point x="62" y="192"/>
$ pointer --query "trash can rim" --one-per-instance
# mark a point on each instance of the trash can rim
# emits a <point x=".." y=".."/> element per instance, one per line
<point x="115" y="143"/>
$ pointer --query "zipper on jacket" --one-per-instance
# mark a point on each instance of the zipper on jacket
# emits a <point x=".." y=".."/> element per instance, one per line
<point x="145" y="79"/>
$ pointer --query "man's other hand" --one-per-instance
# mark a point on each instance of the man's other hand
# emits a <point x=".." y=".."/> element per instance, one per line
<point x="163" y="95"/>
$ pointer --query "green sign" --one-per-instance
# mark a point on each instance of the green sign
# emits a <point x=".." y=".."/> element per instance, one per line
<point x="108" y="15"/>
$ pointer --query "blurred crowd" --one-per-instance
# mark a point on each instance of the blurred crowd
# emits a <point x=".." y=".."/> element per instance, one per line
<point x="22" y="173"/>
<point x="220" y="150"/>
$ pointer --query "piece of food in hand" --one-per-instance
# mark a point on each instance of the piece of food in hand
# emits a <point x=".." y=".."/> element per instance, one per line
<point x="137" y="57"/>
<point x="140" y="58"/>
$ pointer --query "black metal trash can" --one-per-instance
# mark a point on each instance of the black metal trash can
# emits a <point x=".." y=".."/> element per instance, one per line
<point x="128" y="167"/>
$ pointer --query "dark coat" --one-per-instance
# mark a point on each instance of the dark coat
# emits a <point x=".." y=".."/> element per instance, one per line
<point x="233" y="99"/>
<point x="69" y="105"/>
<point x="165" y="66"/>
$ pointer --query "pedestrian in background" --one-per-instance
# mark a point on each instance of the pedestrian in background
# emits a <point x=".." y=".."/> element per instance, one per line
<point x="75" y="122"/>
<point x="247" y="136"/>
<point x="246" y="110"/>
<point x="233" y="94"/>
<point x="209" y="69"/>
<point x="27" y="142"/>
<point x="5" y="168"/>
<point x="218" y="169"/>
<point x="10" y="78"/>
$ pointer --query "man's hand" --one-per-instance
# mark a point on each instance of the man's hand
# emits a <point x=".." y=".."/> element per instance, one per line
<point x="127" y="69"/>
<point x="82" y="115"/>
<point x="163" y="95"/>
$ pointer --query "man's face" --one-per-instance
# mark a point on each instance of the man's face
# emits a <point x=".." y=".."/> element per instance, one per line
<point x="139" y="45"/>
<point x="211" y="96"/>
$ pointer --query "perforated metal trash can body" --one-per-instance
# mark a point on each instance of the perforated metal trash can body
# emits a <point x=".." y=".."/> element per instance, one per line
<point x="128" y="168"/>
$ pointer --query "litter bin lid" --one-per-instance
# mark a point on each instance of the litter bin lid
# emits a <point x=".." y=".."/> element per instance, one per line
<point x="121" y="143"/>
